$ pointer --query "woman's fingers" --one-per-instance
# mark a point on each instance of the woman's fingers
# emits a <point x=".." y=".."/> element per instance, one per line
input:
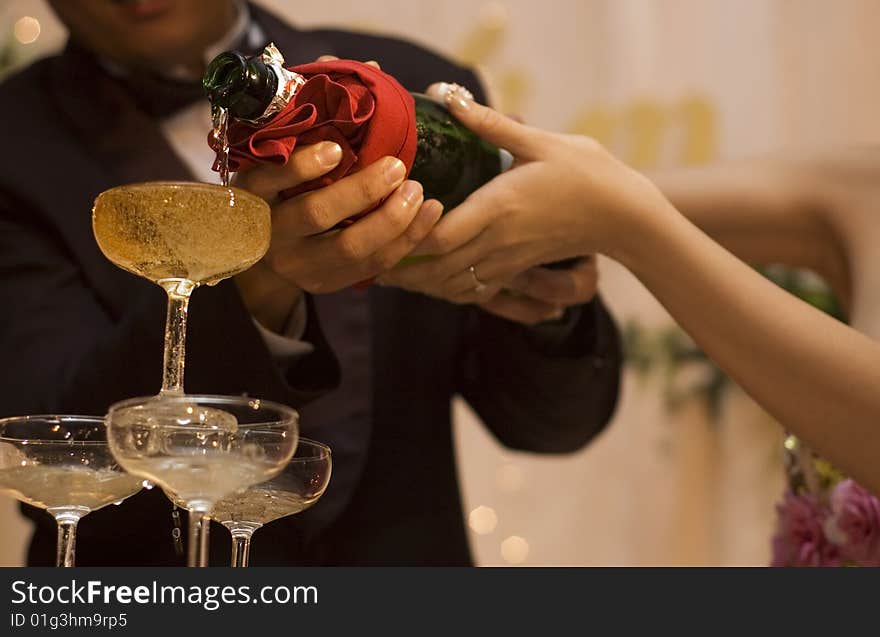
<point x="523" y="141"/>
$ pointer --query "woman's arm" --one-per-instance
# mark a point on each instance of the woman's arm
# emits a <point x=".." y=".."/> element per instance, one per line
<point x="817" y="376"/>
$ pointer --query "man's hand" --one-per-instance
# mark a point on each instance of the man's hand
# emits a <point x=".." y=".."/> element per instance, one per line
<point x="306" y="252"/>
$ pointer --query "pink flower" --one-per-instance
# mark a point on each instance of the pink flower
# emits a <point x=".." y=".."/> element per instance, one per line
<point x="800" y="537"/>
<point x="855" y="523"/>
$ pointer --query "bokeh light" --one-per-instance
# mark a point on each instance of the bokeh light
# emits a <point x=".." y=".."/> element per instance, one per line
<point x="515" y="550"/>
<point x="483" y="520"/>
<point x="27" y="30"/>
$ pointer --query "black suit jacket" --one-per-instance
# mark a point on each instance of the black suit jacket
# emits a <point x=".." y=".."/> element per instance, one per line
<point x="77" y="334"/>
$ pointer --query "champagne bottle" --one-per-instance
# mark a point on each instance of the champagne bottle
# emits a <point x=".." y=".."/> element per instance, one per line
<point x="450" y="162"/>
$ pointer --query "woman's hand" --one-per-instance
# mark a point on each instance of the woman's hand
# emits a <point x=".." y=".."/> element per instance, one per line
<point x="565" y="197"/>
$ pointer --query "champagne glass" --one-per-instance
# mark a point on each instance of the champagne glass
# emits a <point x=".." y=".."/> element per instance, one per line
<point x="180" y="235"/>
<point x="295" y="489"/>
<point x="200" y="449"/>
<point x="62" y="464"/>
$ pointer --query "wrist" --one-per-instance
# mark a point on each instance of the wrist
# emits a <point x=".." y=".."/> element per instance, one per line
<point x="649" y="238"/>
<point x="268" y="297"/>
<point x="624" y="214"/>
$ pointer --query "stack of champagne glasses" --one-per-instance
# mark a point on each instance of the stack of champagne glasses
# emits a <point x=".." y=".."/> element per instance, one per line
<point x="237" y="459"/>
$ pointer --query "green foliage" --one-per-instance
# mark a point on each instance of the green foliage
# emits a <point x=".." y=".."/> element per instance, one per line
<point x="806" y="286"/>
<point x="685" y="371"/>
<point x="807" y="472"/>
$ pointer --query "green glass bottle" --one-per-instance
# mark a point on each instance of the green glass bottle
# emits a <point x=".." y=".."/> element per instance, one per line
<point x="450" y="162"/>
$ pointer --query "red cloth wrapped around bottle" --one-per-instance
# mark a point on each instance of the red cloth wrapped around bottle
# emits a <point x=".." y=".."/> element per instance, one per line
<point x="361" y="108"/>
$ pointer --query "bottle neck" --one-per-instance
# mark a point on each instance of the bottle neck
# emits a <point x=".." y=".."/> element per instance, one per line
<point x="251" y="89"/>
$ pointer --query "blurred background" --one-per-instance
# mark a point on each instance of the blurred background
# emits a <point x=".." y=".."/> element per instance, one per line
<point x="690" y="470"/>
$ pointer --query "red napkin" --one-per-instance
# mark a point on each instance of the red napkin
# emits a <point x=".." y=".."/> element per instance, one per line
<point x="364" y="110"/>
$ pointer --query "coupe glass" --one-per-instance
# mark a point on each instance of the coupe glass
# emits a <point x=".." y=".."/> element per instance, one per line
<point x="180" y="235"/>
<point x="62" y="464"/>
<point x="201" y="449"/>
<point x="295" y="489"/>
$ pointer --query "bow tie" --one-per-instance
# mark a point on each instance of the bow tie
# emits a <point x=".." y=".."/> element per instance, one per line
<point x="161" y="96"/>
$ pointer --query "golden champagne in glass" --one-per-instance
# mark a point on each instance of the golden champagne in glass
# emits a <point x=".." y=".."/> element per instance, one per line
<point x="181" y="235"/>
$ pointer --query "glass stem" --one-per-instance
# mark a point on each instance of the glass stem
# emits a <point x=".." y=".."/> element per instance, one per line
<point x="241" y="543"/>
<point x="197" y="547"/>
<point x="179" y="291"/>
<point x="241" y="550"/>
<point x="66" y="547"/>
<point x="204" y="540"/>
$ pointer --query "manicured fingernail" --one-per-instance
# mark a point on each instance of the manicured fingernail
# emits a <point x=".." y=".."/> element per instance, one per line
<point x="329" y="154"/>
<point x="394" y="170"/>
<point x="431" y="210"/>
<point x="442" y="90"/>
<point x="454" y="95"/>
<point x="464" y="103"/>
<point x="411" y="192"/>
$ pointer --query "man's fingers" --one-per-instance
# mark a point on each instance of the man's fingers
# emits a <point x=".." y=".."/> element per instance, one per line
<point x="390" y="255"/>
<point x="320" y="210"/>
<point x="573" y="286"/>
<point x="523" y="141"/>
<point x="305" y="164"/>
<point x="377" y="229"/>
<point x="341" y="272"/>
